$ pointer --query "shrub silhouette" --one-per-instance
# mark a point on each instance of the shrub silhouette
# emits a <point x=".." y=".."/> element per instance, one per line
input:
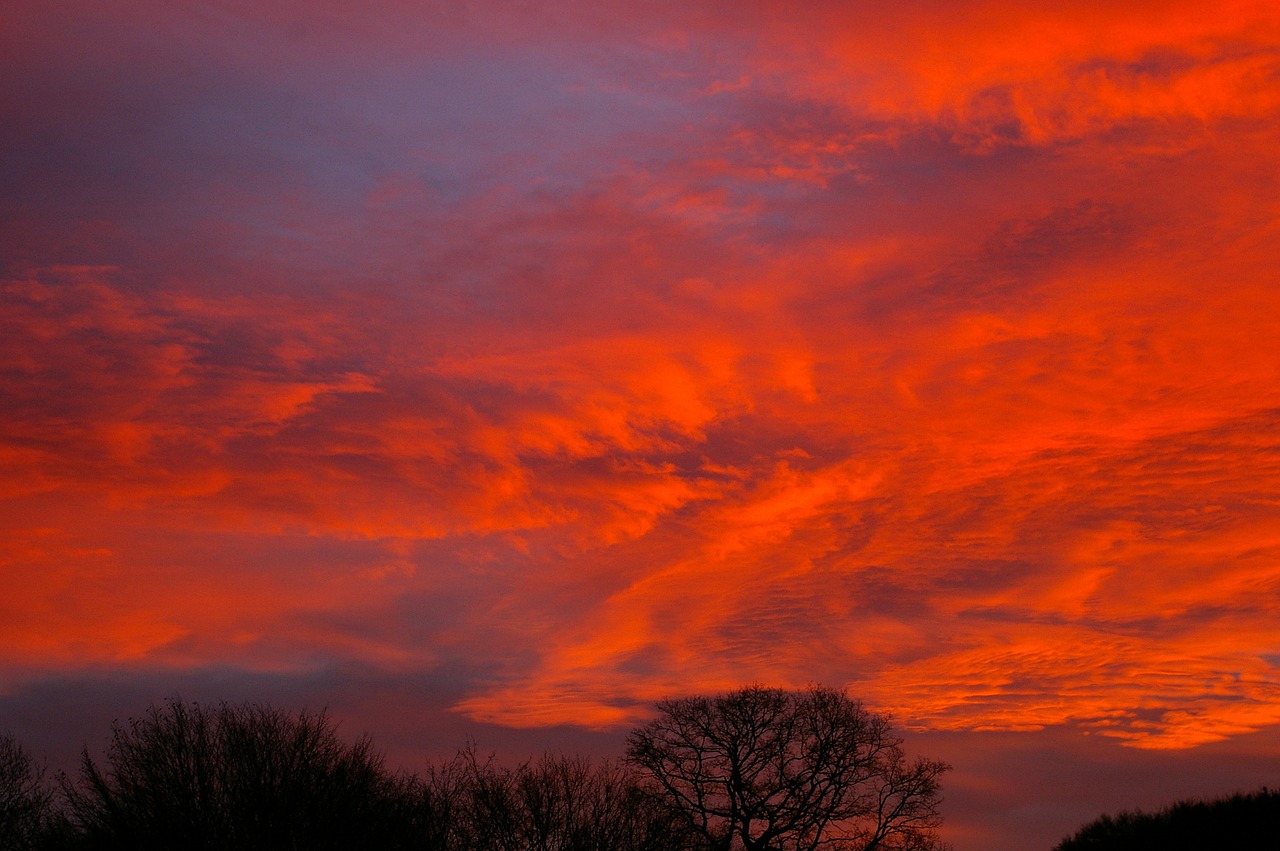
<point x="1241" y="822"/>
<point x="223" y="777"/>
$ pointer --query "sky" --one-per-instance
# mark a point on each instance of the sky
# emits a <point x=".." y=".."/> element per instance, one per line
<point x="488" y="371"/>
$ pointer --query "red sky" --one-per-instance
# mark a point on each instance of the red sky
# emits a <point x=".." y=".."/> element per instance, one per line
<point x="494" y="370"/>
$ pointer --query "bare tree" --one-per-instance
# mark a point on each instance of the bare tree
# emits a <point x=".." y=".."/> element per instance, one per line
<point x="242" y="777"/>
<point x="570" y="804"/>
<point x="432" y="806"/>
<point x="253" y="778"/>
<point x="556" y="803"/>
<point x="765" y="769"/>
<point x="26" y="803"/>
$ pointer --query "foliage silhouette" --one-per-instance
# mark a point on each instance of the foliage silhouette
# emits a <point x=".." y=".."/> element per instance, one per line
<point x="1242" y="822"/>
<point x="772" y="770"/>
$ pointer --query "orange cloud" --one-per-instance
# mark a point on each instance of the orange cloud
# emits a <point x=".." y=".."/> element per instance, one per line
<point x="1025" y="73"/>
<point x="921" y="348"/>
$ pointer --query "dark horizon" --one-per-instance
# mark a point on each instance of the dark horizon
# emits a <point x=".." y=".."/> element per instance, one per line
<point x="1064" y="781"/>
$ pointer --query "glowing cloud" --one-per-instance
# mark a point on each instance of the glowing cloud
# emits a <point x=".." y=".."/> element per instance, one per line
<point x="599" y="355"/>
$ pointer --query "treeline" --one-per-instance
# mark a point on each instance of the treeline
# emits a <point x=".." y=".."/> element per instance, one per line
<point x="1244" y="822"/>
<point x="249" y="777"/>
<point x="754" y="769"/>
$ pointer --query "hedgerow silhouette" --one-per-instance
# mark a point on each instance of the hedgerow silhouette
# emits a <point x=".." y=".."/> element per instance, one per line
<point x="1241" y="822"/>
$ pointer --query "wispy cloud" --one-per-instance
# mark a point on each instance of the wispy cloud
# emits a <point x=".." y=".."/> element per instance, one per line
<point x="598" y="357"/>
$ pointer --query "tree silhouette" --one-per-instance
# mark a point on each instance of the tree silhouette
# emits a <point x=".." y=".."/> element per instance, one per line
<point x="766" y="769"/>
<point x="244" y="777"/>
<point x="557" y="803"/>
<point x="26" y="803"/>
<point x="754" y="770"/>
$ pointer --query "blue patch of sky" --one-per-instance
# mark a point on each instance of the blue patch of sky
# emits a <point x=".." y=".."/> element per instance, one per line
<point x="522" y="121"/>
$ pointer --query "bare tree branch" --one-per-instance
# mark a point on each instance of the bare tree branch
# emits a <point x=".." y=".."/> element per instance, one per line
<point x="765" y="769"/>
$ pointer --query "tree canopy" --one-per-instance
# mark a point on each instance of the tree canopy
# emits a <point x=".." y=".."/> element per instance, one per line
<point x="251" y="776"/>
<point x="766" y="769"/>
